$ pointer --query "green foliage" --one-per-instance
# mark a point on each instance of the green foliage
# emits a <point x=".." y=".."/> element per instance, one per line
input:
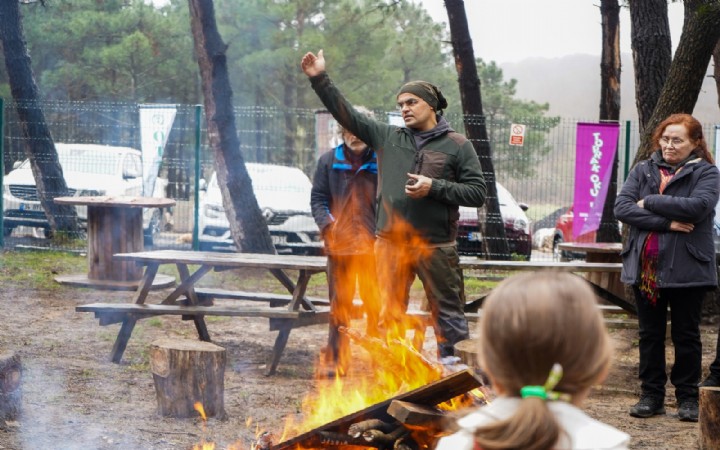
<point x="111" y="50"/>
<point x="502" y="109"/>
<point x="130" y="50"/>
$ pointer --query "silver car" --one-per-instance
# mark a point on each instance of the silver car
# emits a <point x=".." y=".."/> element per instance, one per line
<point x="283" y="194"/>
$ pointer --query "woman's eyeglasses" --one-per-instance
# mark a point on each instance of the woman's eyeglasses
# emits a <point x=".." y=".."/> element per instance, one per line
<point x="674" y="141"/>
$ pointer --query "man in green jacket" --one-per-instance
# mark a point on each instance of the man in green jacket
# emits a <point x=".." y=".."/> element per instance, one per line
<point x="426" y="172"/>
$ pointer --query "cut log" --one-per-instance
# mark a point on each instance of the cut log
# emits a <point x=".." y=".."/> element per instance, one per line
<point x="186" y="372"/>
<point x="414" y="415"/>
<point x="467" y="351"/>
<point x="709" y="418"/>
<point x="440" y="391"/>
<point x="10" y="385"/>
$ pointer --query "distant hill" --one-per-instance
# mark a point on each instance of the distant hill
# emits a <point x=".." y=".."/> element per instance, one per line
<point x="571" y="85"/>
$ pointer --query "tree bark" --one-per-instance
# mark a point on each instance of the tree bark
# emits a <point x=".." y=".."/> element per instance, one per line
<point x="709" y="418"/>
<point x="610" y="107"/>
<point x="496" y="245"/>
<point x="247" y="225"/>
<point x="652" y="53"/>
<point x="716" y="71"/>
<point x="37" y="140"/>
<point x="700" y="34"/>
<point x="10" y="386"/>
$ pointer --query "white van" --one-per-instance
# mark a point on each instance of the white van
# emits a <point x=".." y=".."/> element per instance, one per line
<point x="89" y="170"/>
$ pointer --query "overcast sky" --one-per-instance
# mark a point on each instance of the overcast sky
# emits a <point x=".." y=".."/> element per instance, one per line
<point x="513" y="30"/>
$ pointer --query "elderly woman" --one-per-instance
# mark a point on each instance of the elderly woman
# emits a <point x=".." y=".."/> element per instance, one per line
<point x="668" y="201"/>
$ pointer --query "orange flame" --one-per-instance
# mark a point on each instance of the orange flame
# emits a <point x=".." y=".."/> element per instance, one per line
<point x="392" y="364"/>
<point x="396" y="364"/>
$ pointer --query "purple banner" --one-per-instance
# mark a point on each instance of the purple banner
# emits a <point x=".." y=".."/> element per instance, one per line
<point x="596" y="145"/>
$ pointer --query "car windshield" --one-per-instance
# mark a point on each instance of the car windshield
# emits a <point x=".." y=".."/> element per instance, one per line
<point x="85" y="161"/>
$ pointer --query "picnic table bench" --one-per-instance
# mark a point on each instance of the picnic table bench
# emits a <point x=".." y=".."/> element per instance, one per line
<point x="603" y="276"/>
<point x="284" y="311"/>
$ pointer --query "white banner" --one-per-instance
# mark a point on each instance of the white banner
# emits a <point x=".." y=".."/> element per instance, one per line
<point x="717" y="145"/>
<point x="155" y="124"/>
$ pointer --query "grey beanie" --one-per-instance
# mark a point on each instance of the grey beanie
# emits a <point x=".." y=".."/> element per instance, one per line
<point x="426" y="91"/>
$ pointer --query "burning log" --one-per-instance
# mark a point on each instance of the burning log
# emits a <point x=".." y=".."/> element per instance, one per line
<point x="10" y="386"/>
<point x="385" y="439"/>
<point x="434" y="393"/>
<point x="358" y="428"/>
<point x="185" y="372"/>
<point x="414" y="415"/>
<point x="406" y="443"/>
<point x="342" y="439"/>
<point x="264" y="441"/>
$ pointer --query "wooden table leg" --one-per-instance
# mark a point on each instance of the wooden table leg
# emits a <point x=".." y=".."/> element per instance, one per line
<point x="201" y="328"/>
<point x="280" y="343"/>
<point x="292" y="287"/>
<point x="122" y="339"/>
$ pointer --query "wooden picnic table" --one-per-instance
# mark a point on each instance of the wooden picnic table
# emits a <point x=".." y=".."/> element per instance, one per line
<point x="284" y="312"/>
<point x="114" y="225"/>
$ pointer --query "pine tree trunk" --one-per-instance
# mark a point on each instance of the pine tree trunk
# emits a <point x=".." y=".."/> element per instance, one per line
<point x="247" y="225"/>
<point x="610" y="107"/>
<point x="495" y="241"/>
<point x="38" y="143"/>
<point x="652" y="53"/>
<point x="687" y="71"/>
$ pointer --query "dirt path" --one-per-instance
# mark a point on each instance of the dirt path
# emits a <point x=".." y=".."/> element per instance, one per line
<point x="74" y="398"/>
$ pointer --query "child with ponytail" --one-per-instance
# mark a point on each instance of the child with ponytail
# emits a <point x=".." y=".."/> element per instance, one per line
<point x="543" y="345"/>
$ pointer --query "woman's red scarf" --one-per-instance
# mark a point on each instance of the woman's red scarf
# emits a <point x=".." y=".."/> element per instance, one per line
<point x="651" y="250"/>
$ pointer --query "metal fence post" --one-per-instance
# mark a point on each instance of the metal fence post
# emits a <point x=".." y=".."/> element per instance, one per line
<point x="626" y="169"/>
<point x="196" y="196"/>
<point x="2" y="172"/>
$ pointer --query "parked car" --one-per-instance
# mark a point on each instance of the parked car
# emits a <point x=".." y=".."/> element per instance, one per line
<point x="563" y="233"/>
<point x="89" y="170"/>
<point x="283" y="194"/>
<point x="517" y="227"/>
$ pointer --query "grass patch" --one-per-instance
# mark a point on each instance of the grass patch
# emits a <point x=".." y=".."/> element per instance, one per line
<point x="38" y="269"/>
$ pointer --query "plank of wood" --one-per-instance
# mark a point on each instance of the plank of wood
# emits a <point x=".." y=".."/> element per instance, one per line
<point x="570" y="266"/>
<point x="314" y="264"/>
<point x="253" y="296"/>
<point x="179" y="310"/>
<point x="416" y="415"/>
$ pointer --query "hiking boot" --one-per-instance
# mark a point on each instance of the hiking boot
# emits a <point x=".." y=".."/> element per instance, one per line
<point x="712" y="380"/>
<point x="688" y="411"/>
<point x="648" y="406"/>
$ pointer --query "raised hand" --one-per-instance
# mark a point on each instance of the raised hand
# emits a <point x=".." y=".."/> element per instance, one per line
<point x="313" y="65"/>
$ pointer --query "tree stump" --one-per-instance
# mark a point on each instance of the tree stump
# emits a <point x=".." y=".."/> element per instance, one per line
<point x="10" y="385"/>
<point x="468" y="352"/>
<point x="709" y="418"/>
<point x="187" y="372"/>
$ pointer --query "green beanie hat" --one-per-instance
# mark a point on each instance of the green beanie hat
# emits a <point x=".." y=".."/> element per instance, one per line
<point x="426" y="91"/>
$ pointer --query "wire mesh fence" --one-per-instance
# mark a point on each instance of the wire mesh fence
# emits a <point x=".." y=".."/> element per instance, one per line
<point x="536" y="177"/>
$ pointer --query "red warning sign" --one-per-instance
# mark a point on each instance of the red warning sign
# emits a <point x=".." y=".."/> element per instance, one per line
<point x="517" y="134"/>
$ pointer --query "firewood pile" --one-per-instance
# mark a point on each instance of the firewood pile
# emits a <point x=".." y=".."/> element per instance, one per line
<point x="409" y="421"/>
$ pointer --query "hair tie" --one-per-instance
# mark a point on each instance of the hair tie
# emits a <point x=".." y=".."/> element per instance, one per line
<point x="546" y="392"/>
